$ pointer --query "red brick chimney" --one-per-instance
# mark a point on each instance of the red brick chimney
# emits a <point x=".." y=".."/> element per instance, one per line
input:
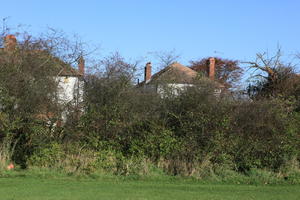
<point x="211" y="68"/>
<point x="81" y="65"/>
<point x="148" y="72"/>
<point x="10" y="42"/>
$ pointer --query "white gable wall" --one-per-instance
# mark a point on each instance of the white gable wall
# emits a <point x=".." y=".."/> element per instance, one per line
<point x="70" y="89"/>
<point x="70" y="92"/>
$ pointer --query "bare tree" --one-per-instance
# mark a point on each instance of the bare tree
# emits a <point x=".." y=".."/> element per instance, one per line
<point x="272" y="77"/>
<point x="165" y="58"/>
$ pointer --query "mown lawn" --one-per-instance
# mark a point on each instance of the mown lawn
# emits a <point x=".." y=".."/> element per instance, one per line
<point x="36" y="188"/>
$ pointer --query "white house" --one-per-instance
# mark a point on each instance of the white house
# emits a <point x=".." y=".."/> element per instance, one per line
<point x="70" y="81"/>
<point x="175" y="78"/>
<point x="70" y="87"/>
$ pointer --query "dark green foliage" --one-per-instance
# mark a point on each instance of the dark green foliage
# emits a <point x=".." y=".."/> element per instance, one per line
<point x="268" y="135"/>
<point x="184" y="132"/>
<point x="196" y="133"/>
<point x="125" y="130"/>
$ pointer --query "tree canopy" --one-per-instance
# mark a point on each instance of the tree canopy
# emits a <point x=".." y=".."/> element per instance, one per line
<point x="228" y="72"/>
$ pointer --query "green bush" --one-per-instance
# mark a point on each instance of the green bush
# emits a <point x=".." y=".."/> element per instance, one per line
<point x="47" y="156"/>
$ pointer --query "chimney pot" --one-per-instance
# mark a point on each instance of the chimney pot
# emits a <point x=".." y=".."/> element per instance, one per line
<point x="148" y="72"/>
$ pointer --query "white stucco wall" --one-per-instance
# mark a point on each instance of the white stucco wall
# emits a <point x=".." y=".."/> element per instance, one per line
<point x="70" y="90"/>
<point x="172" y="89"/>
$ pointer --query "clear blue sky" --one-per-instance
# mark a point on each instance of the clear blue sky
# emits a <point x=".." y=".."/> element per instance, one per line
<point x="235" y="29"/>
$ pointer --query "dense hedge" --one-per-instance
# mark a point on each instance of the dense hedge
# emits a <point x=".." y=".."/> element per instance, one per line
<point x="124" y="129"/>
<point x="186" y="134"/>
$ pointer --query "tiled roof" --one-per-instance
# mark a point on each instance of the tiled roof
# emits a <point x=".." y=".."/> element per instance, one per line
<point x="62" y="68"/>
<point x="175" y="73"/>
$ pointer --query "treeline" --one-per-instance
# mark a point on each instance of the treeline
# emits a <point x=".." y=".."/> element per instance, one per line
<point x="125" y="130"/>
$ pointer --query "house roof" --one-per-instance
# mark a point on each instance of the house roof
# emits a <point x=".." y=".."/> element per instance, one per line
<point x="66" y="69"/>
<point x="175" y="73"/>
<point x="62" y="68"/>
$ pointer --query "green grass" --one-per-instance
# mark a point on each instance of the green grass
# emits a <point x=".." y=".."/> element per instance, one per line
<point x="24" y="187"/>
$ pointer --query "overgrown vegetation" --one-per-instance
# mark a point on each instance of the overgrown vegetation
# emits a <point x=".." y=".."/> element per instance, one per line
<point x="127" y="131"/>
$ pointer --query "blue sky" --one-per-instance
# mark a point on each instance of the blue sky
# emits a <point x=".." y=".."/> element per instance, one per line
<point x="194" y="28"/>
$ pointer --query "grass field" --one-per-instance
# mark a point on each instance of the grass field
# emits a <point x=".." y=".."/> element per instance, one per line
<point x="64" y="188"/>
